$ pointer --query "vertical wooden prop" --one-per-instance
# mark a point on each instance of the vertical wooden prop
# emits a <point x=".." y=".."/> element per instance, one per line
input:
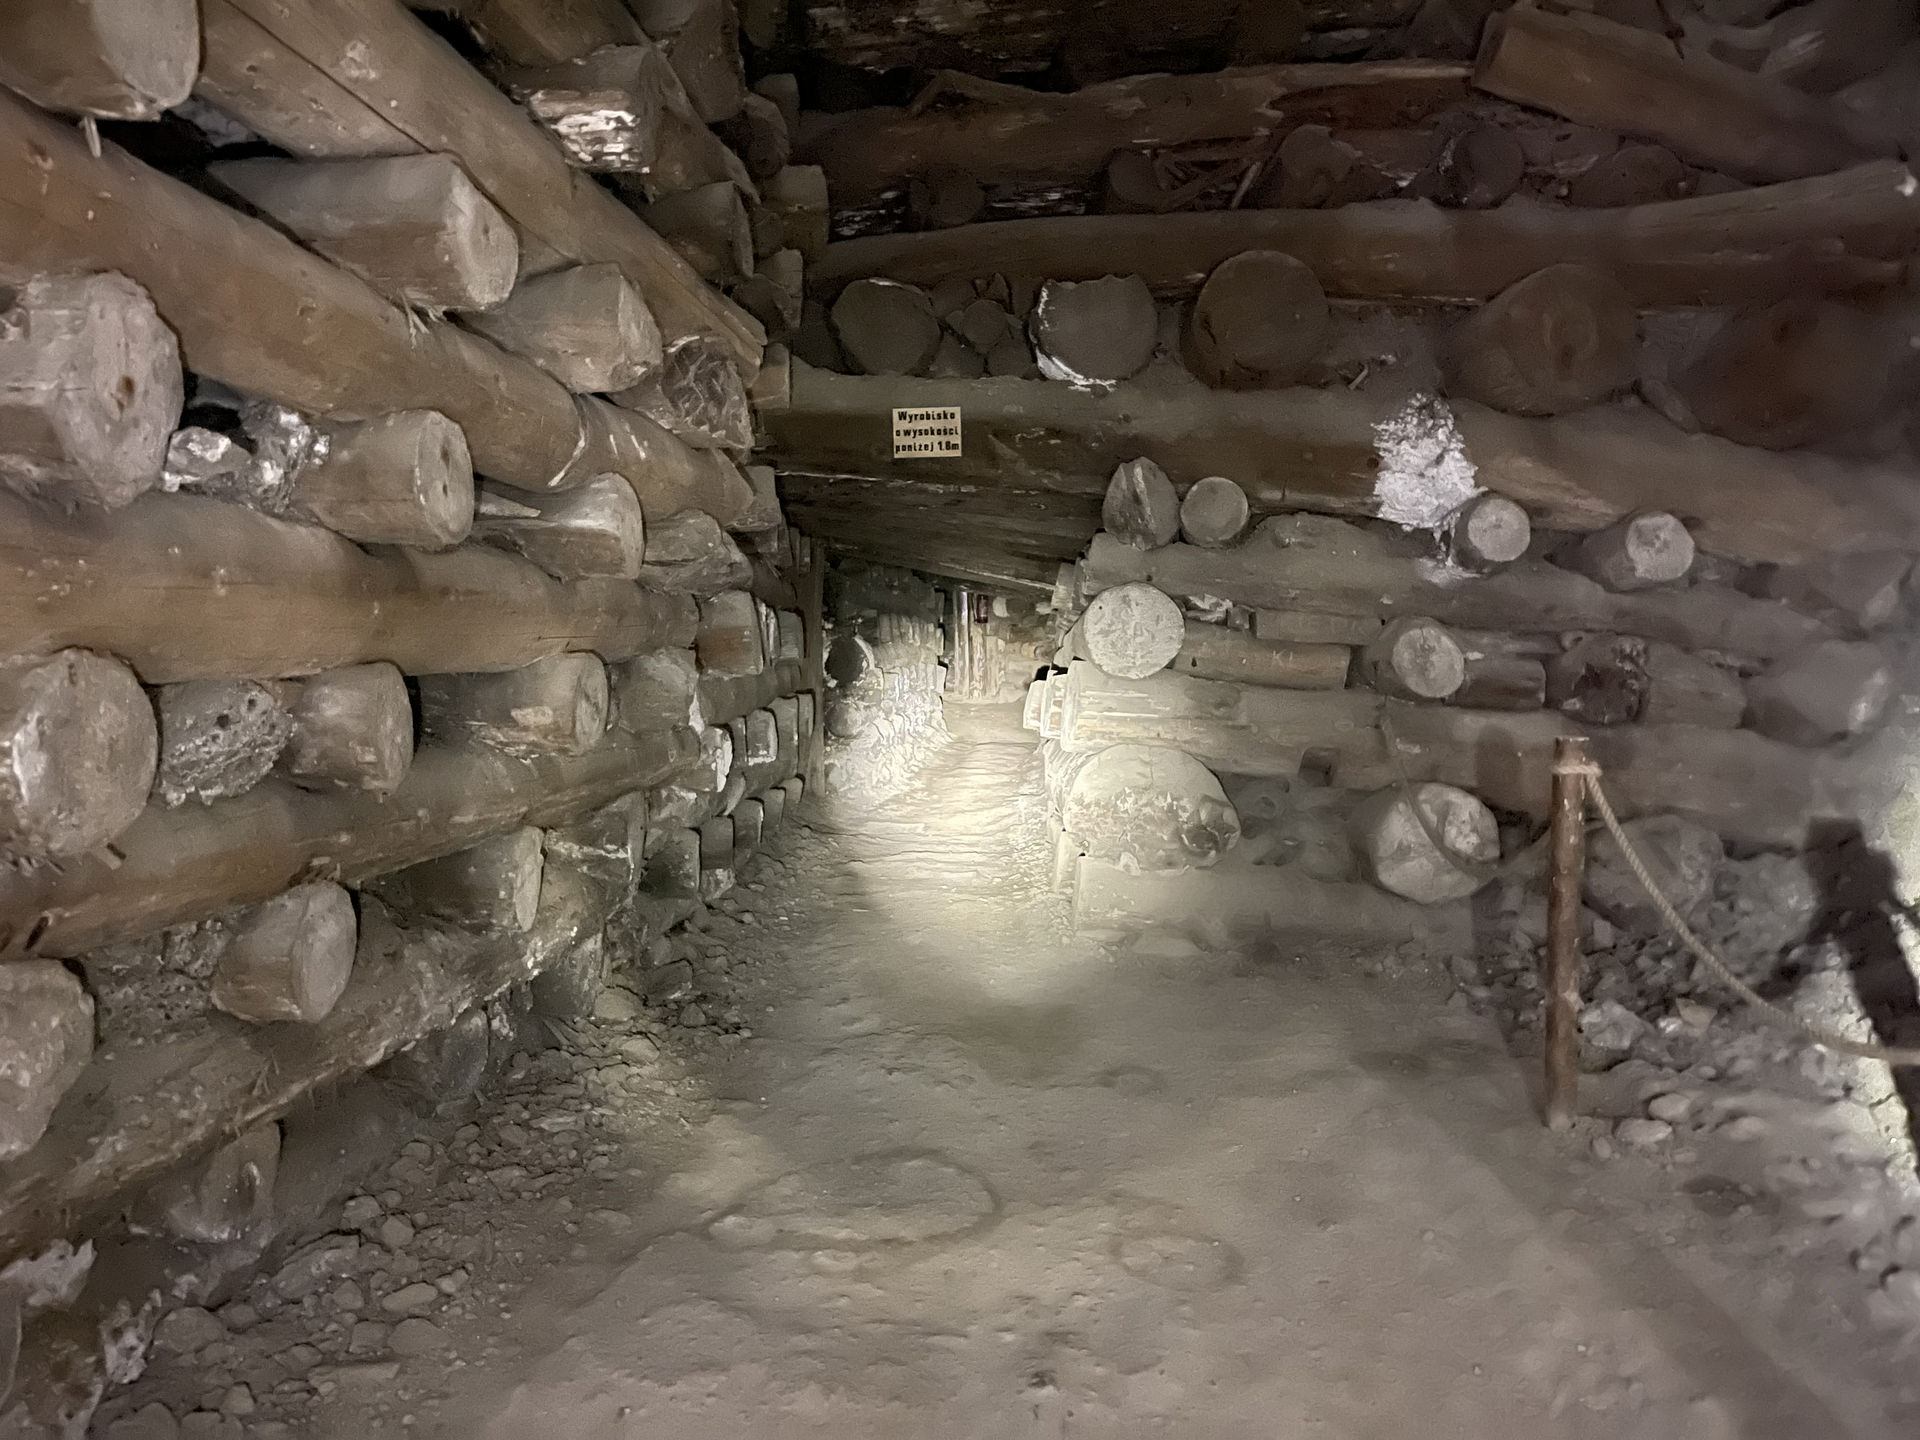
<point x="1568" y="861"/>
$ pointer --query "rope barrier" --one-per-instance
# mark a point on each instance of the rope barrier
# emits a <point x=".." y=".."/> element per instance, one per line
<point x="1820" y="1035"/>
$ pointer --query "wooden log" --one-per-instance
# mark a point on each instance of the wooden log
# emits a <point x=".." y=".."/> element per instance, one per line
<point x="316" y="338"/>
<point x="1563" y="338"/>
<point x="77" y="753"/>
<point x="492" y="887"/>
<point x="1616" y="77"/>
<point x="1428" y="843"/>
<point x="772" y="389"/>
<point x="362" y="77"/>
<point x="1601" y="679"/>
<point x="1236" y="901"/>
<point x="544" y="32"/>
<point x="1214" y="652"/>
<point x="1414" y="658"/>
<point x="224" y="592"/>
<point x="1487" y="532"/>
<point x="708" y="226"/>
<point x="90" y="389"/>
<point x="944" y="198"/>
<point x="1864" y="590"/>
<point x="585" y="325"/>
<point x="886" y="328"/>
<point x="1828" y="233"/>
<point x="1133" y="630"/>
<point x="775" y="295"/>
<point x="1258" y="322"/>
<point x="217" y="1200"/>
<point x="1794" y="373"/>
<point x="1147" y="808"/>
<point x="773" y="809"/>
<point x="760" y="134"/>
<point x="1304" y="627"/>
<point x="749" y="827"/>
<point x="1141" y="507"/>
<point x="717" y="857"/>
<point x="594" y="531"/>
<point x="1500" y="681"/>
<point x="1091" y="330"/>
<point x="46" y="1026"/>
<point x="728" y="637"/>
<point x="412" y="226"/>
<point x="117" y="59"/>
<point x="1649" y="549"/>
<point x="673" y="864"/>
<point x="559" y="705"/>
<point x="1480" y="166"/>
<point x="690" y="554"/>
<point x="794" y="214"/>
<point x="1683" y="689"/>
<point x="1213" y="512"/>
<point x="352" y="730"/>
<point x="1336" y="450"/>
<point x="697" y="395"/>
<point x="400" y="479"/>
<point x="667" y="474"/>
<point x="725" y="698"/>
<point x="1318" y="565"/>
<point x="1014" y="134"/>
<point x="1832" y="691"/>
<point x="290" y="958"/>
<point x="701" y="39"/>
<point x="218" y="738"/>
<point x="658" y="691"/>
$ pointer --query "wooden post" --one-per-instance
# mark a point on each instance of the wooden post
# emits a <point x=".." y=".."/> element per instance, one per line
<point x="1567" y="862"/>
<point x="121" y="59"/>
<point x="585" y="325"/>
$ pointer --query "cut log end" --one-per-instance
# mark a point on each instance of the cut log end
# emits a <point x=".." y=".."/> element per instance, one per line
<point x="218" y="738"/>
<point x="1415" y="658"/>
<point x="1214" y="512"/>
<point x="1489" y="531"/>
<point x="1652" y="548"/>
<point x="1443" y="851"/>
<point x="1601" y="679"/>
<point x="1133" y="630"/>
<point x="1563" y="338"/>
<point x="596" y="529"/>
<point x="290" y="958"/>
<point x="352" y="730"/>
<point x="90" y="390"/>
<point x="558" y="705"/>
<point x="586" y="325"/>
<point x="491" y="888"/>
<point x="886" y="328"/>
<point x="1094" y="330"/>
<point x="46" y="1034"/>
<point x="78" y="750"/>
<point x="1258" y="322"/>
<point x="1141" y="506"/>
<point x="1147" y="808"/>
<point x="115" y="59"/>
<point x="402" y="479"/>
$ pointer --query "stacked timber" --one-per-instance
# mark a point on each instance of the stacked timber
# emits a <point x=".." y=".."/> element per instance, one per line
<point x="361" y="665"/>
<point x="884" y="676"/>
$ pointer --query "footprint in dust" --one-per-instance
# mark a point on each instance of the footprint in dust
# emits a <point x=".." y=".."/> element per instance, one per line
<point x="1175" y="1261"/>
<point x="868" y="1202"/>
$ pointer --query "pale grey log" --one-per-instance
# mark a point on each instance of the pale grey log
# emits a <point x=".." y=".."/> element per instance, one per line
<point x="352" y="730"/>
<point x="414" y="227"/>
<point x="289" y="958"/>
<point x="1648" y="549"/>
<point x="749" y="827"/>
<point x="1215" y="652"/>
<point x="586" y="325"/>
<point x="1141" y="507"/>
<point x="1131" y="631"/>
<point x="728" y="638"/>
<point x="760" y="136"/>
<point x="708" y="225"/>
<point x="775" y="293"/>
<point x="658" y="691"/>
<point x="1307" y="627"/>
<point x="554" y="706"/>
<point x="673" y="864"/>
<point x="696" y="393"/>
<point x="701" y="39"/>
<point x="1148" y="807"/>
<point x="1258" y="322"/>
<point x="218" y="738"/>
<point x="78" y="748"/>
<point x="1213" y="512"/>
<point x="493" y="888"/>
<point x="116" y="59"/>
<point x="690" y="554"/>
<point x="46" y="1033"/>
<point x="1443" y="851"/>
<point x="1835" y="690"/>
<point x="1683" y="689"/>
<point x="90" y="390"/>
<point x="1562" y="338"/>
<point x="1093" y="330"/>
<point x="597" y="530"/>
<point x="401" y="479"/>
<point x="1414" y="658"/>
<point x="1489" y="531"/>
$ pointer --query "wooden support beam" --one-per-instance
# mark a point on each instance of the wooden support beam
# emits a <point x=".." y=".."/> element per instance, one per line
<point x="544" y="32"/>
<point x="186" y="588"/>
<point x="1832" y="232"/>
<point x="177" y="866"/>
<point x="117" y="59"/>
<point x="1012" y="134"/>
<point x="1015" y="574"/>
<point x="1620" y="77"/>
<point x="1325" y="450"/>
<point x="375" y="81"/>
<point x="585" y="325"/>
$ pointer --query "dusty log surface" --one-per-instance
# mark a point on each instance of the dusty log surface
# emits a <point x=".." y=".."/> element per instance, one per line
<point x="595" y="530"/>
<point x="1322" y="450"/>
<point x="117" y="59"/>
<point x="585" y="325"/>
<point x="1414" y="658"/>
<point x="134" y="1117"/>
<point x="1257" y="323"/>
<point x="1000" y="133"/>
<point x="399" y="479"/>
<point x="197" y="861"/>
<point x="1638" y="553"/>
<point x="1831" y="232"/>
<point x="544" y="32"/>
<point x="46" y="1023"/>
<point x="1564" y="337"/>
<point x="660" y="691"/>
<point x="289" y="958"/>
<point x="315" y="337"/>
<point x="1213" y="512"/>
<point x="370" y="57"/>
<point x="1617" y="77"/>
<point x="1429" y="843"/>
<point x="1145" y="807"/>
<point x="413" y="226"/>
<point x="185" y="589"/>
<point x="1214" y="652"/>
<point x="559" y="705"/>
<point x="1141" y="507"/>
<point x="217" y="738"/>
<point x="352" y="730"/>
<point x="1101" y="329"/>
<point x="1794" y="373"/>
<point x="1488" y="531"/>
<point x="78" y="747"/>
<point x="492" y="887"/>
<point x="697" y="395"/>
<point x="690" y="554"/>
<point x="708" y="225"/>
<point x="1316" y="565"/>
<point x="1133" y="630"/>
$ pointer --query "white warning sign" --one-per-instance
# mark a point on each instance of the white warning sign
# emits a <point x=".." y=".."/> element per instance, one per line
<point x="929" y="434"/>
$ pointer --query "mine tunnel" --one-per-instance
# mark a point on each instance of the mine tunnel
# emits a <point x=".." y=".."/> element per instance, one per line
<point x="754" y="719"/>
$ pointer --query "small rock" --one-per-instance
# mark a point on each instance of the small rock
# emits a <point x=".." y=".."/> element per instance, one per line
<point x="238" y="1401"/>
<point x="453" y="1282"/>
<point x="149" y="1422"/>
<point x="1695" y="1016"/>
<point x="417" y="1337"/>
<point x="369" y="1337"/>
<point x="415" y="1299"/>
<point x="360" y="1213"/>
<point x="183" y="1331"/>
<point x="512" y="1135"/>
<point x="1601" y="1147"/>
<point x="349" y="1296"/>
<point x="315" y="1266"/>
<point x="364" y="1376"/>
<point x="395" y="1232"/>
<point x="614" y="1006"/>
<point x="693" y="1017"/>
<point x="1609" y="1030"/>
<point x="1672" y="1107"/>
<point x="670" y="982"/>
<point x="1643" y="1134"/>
<point x="1744" y="1128"/>
<point x="207" y="1425"/>
<point x="239" y="1316"/>
<point x="639" y="1050"/>
<point x="300" y="1358"/>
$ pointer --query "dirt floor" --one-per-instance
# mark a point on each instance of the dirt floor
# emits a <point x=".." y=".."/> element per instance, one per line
<point x="956" y="1173"/>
